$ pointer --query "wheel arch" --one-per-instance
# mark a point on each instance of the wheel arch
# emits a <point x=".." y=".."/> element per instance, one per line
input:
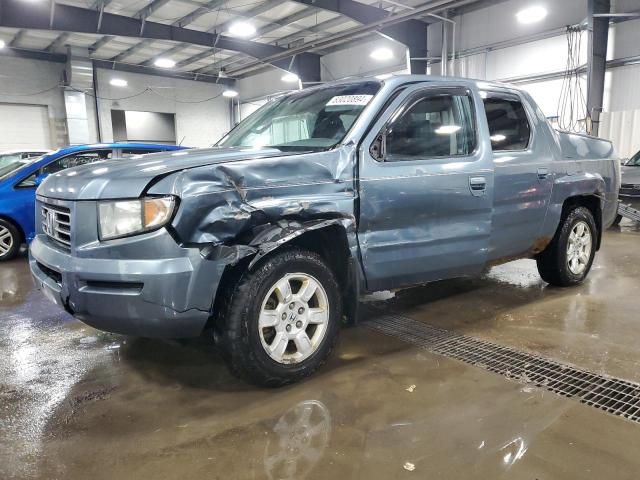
<point x="593" y="203"/>
<point x="332" y="239"/>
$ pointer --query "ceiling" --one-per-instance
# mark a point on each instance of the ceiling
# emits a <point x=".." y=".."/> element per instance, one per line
<point x="277" y="22"/>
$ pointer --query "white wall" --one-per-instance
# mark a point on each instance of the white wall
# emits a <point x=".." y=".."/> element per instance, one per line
<point x="202" y="114"/>
<point x="355" y="60"/>
<point x="20" y="82"/>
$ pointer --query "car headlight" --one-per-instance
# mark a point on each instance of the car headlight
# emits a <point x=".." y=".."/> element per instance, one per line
<point x="122" y="218"/>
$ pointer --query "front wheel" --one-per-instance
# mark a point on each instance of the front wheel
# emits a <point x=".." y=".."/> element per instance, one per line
<point x="10" y="240"/>
<point x="568" y="258"/>
<point x="281" y="321"/>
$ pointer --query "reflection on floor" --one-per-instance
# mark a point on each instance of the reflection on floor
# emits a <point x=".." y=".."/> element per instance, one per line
<point x="76" y="403"/>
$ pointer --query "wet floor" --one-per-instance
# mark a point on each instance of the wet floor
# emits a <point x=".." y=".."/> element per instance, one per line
<point x="76" y="403"/>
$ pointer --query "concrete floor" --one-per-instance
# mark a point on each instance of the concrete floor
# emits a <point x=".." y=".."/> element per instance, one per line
<point x="76" y="403"/>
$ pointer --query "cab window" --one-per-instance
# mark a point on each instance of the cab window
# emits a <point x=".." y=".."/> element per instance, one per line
<point x="509" y="127"/>
<point x="433" y="126"/>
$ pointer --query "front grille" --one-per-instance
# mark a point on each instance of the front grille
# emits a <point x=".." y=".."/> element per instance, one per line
<point x="56" y="223"/>
<point x="617" y="396"/>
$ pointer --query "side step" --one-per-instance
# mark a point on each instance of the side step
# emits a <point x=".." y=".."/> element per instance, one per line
<point x="629" y="212"/>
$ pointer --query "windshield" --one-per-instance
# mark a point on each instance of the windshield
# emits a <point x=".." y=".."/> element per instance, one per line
<point x="634" y="161"/>
<point x="313" y="120"/>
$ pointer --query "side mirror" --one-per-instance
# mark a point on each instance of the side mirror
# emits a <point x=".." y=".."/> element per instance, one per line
<point x="39" y="179"/>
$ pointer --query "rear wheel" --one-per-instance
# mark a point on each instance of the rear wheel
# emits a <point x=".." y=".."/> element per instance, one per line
<point x="10" y="240"/>
<point x="568" y="258"/>
<point x="282" y="320"/>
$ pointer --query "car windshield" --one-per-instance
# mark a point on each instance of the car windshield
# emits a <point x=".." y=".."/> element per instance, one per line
<point x="312" y="120"/>
<point x="634" y="161"/>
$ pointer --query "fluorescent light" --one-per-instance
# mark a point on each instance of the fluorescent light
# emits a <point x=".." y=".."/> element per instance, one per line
<point x="531" y="14"/>
<point x="498" y="137"/>
<point x="118" y="82"/>
<point x="2" y="44"/>
<point x="290" y="77"/>
<point x="230" y="93"/>
<point x="164" y="63"/>
<point x="242" y="29"/>
<point x="384" y="76"/>
<point x="448" y="129"/>
<point x="382" y="53"/>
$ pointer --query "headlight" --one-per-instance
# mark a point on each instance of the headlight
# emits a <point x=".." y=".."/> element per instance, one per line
<point x="123" y="218"/>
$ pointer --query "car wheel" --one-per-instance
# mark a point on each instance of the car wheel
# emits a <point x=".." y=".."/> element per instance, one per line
<point x="282" y="319"/>
<point x="10" y="240"/>
<point x="568" y="258"/>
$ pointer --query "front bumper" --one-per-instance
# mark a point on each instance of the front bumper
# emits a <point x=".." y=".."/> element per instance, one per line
<point x="166" y="291"/>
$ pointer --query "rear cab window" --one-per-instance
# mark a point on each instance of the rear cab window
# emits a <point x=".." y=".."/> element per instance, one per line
<point x="509" y="127"/>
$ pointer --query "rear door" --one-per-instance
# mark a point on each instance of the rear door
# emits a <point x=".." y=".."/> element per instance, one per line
<point x="425" y="185"/>
<point x="523" y="175"/>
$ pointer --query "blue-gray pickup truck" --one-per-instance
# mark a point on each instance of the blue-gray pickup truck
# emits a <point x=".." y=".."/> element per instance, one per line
<point x="268" y="239"/>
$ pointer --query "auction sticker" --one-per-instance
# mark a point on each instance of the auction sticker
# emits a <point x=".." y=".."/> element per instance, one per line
<point x="350" y="100"/>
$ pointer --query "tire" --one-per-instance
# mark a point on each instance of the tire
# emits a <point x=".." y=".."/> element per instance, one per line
<point x="554" y="262"/>
<point x="10" y="240"/>
<point x="260" y="297"/>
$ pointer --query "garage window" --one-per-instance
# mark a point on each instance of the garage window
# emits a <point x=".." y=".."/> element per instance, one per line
<point x="509" y="127"/>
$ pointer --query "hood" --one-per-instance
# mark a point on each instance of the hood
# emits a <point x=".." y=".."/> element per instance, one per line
<point x="128" y="178"/>
<point x="631" y="175"/>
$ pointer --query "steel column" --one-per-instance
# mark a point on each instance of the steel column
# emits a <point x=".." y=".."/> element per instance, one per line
<point x="598" y="30"/>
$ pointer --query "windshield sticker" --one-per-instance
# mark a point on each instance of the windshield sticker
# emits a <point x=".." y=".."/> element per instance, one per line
<point x="349" y="100"/>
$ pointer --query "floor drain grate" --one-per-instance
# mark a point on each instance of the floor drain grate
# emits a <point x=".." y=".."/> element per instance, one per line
<point x="615" y="396"/>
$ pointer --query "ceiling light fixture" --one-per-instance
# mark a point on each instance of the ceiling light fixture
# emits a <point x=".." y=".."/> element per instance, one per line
<point x="242" y="29"/>
<point x="164" y="63"/>
<point x="230" y="93"/>
<point x="531" y="14"/>
<point x="118" y="82"/>
<point x="290" y="77"/>
<point x="2" y="44"/>
<point x="382" y="53"/>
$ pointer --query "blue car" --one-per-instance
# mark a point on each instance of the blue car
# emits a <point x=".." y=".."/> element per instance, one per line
<point x="19" y="180"/>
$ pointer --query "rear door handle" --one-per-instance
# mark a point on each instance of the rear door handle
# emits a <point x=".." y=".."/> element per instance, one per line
<point x="543" y="173"/>
<point x="478" y="185"/>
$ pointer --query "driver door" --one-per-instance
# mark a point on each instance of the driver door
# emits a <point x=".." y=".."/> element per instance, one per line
<point x="426" y="188"/>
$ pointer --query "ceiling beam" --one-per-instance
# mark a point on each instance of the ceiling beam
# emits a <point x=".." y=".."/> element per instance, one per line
<point x="101" y="43"/>
<point x="320" y="28"/>
<point x="152" y="7"/>
<point x="198" y="12"/>
<point x="411" y="32"/>
<point x="15" y="41"/>
<point x="58" y="42"/>
<point x="248" y="14"/>
<point x="68" y="18"/>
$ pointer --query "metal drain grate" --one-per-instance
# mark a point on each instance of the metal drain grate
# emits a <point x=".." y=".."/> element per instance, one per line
<point x="615" y="396"/>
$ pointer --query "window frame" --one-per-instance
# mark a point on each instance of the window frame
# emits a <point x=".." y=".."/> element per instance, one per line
<point x="412" y="99"/>
<point x="38" y="171"/>
<point x="509" y="96"/>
